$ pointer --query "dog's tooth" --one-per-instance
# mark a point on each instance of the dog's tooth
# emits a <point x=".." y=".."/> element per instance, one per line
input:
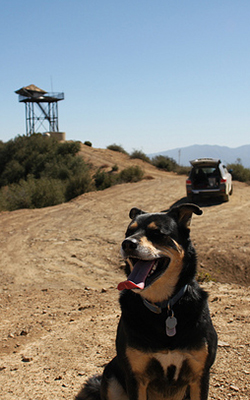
<point x="153" y="269"/>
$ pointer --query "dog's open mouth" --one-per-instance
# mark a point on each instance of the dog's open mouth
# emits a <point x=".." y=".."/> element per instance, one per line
<point x="144" y="273"/>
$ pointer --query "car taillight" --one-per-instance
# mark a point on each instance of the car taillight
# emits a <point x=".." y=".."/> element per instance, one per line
<point x="223" y="180"/>
<point x="188" y="182"/>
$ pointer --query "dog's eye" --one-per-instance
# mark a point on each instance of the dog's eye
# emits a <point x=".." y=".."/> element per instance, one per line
<point x="159" y="233"/>
<point x="154" y="233"/>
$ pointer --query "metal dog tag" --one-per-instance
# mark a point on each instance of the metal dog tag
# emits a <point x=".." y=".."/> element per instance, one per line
<point x="171" y="323"/>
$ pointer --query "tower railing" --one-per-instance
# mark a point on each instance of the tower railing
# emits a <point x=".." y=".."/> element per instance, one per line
<point x="48" y="97"/>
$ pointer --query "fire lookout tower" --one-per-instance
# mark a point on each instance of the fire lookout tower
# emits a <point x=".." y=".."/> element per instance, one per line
<point x="41" y="110"/>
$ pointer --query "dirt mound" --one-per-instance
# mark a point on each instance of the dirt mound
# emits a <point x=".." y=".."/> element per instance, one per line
<point x="107" y="159"/>
<point x="59" y="271"/>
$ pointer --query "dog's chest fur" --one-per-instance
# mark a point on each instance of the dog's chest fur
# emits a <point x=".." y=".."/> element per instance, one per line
<point x="175" y="365"/>
<point x="167" y="372"/>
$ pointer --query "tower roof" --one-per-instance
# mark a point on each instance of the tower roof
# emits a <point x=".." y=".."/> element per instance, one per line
<point x="30" y="89"/>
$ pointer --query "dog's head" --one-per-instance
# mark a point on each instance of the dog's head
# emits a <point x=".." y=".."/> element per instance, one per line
<point x="158" y="251"/>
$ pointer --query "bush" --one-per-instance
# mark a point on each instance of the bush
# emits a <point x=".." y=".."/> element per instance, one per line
<point x="35" y="155"/>
<point x="140" y="155"/>
<point x="78" y="185"/>
<point x="66" y="148"/>
<point x="115" y="168"/>
<point x="103" y="180"/>
<point x="117" y="147"/>
<point x="131" y="174"/>
<point x="183" y="170"/>
<point x="16" y="196"/>
<point x="239" y="173"/>
<point x="37" y="171"/>
<point x="12" y="172"/>
<point x="46" y="192"/>
<point x="88" y="143"/>
<point x="166" y="163"/>
<point x="33" y="193"/>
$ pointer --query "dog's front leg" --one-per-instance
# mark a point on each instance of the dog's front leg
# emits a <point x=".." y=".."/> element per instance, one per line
<point x="142" y="392"/>
<point x="199" y="389"/>
<point x="137" y="390"/>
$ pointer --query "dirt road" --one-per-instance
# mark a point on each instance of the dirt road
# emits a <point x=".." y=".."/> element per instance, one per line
<point x="60" y="267"/>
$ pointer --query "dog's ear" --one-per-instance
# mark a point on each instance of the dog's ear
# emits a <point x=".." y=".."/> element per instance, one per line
<point x="183" y="213"/>
<point x="134" y="212"/>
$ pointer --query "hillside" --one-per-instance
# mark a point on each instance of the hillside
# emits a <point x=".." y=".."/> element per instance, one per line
<point x="227" y="154"/>
<point x="60" y="267"/>
<point x="106" y="159"/>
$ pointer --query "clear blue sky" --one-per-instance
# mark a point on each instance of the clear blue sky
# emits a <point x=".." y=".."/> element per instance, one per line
<point x="150" y="74"/>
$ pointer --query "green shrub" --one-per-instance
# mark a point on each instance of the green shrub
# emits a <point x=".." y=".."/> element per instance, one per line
<point x="140" y="155"/>
<point x="115" y="168"/>
<point x="33" y="193"/>
<point x="37" y="155"/>
<point x="37" y="171"/>
<point x="131" y="174"/>
<point x="166" y="163"/>
<point x="12" y="172"/>
<point x="16" y="196"/>
<point x="103" y="180"/>
<point x="78" y="185"/>
<point x="66" y="148"/>
<point x="117" y="147"/>
<point x="47" y="192"/>
<point x="88" y="143"/>
<point x="183" y="170"/>
<point x="239" y="173"/>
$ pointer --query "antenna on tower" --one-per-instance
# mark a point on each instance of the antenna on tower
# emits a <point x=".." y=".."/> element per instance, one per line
<point x="51" y="83"/>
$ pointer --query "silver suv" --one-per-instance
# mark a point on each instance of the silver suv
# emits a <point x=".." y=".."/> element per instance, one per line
<point x="208" y="178"/>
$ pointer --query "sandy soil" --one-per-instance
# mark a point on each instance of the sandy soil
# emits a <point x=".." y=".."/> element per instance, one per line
<point x="60" y="267"/>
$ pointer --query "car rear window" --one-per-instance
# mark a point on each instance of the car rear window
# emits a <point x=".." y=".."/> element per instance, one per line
<point x="204" y="172"/>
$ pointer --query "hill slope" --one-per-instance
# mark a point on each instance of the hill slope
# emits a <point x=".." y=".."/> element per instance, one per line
<point x="106" y="159"/>
<point x="59" y="271"/>
<point x="228" y="155"/>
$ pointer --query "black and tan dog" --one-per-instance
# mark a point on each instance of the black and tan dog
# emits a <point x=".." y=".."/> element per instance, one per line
<point x="165" y="341"/>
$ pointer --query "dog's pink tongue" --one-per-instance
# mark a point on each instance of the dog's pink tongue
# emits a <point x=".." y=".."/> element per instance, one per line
<point x="136" y="280"/>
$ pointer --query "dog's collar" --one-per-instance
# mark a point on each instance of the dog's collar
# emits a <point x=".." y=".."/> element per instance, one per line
<point x="157" y="307"/>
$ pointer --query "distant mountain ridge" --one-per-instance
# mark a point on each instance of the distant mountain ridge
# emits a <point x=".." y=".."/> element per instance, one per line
<point x="228" y="155"/>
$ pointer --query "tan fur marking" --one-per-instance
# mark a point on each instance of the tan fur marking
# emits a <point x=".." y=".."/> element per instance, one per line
<point x="138" y="360"/>
<point x="133" y="225"/>
<point x="163" y="288"/>
<point x="196" y="360"/>
<point x="156" y="396"/>
<point x="142" y="393"/>
<point x="195" y="391"/>
<point x="151" y="249"/>
<point x="152" y="225"/>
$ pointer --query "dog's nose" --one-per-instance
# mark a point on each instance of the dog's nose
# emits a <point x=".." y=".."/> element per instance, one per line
<point x="129" y="244"/>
